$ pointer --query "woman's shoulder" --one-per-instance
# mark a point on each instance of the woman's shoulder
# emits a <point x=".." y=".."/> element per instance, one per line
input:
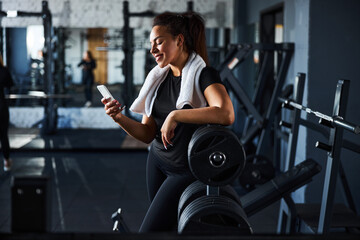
<point x="209" y="69"/>
<point x="209" y="72"/>
<point x="208" y="76"/>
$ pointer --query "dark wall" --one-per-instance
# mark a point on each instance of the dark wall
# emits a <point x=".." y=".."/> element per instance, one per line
<point x="334" y="53"/>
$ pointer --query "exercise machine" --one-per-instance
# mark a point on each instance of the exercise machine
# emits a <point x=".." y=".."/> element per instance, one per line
<point x="258" y="123"/>
<point x="337" y="124"/>
<point x="258" y="127"/>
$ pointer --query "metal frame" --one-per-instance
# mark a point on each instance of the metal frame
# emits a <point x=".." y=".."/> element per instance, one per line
<point x="333" y="164"/>
<point x="333" y="159"/>
<point x="260" y="125"/>
<point x="287" y="211"/>
<point x="49" y="123"/>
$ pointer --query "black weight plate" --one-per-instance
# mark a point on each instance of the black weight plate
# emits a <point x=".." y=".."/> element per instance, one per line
<point x="198" y="189"/>
<point x="216" y="143"/>
<point x="193" y="191"/>
<point x="214" y="215"/>
<point x="257" y="171"/>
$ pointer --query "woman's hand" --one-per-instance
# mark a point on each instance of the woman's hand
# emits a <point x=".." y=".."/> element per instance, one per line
<point x="168" y="130"/>
<point x="112" y="108"/>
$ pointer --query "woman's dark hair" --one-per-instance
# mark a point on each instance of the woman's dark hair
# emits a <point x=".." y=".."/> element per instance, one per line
<point x="190" y="25"/>
<point x="90" y="54"/>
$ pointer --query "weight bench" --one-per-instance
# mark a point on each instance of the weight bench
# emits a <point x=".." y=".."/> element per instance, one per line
<point x="279" y="186"/>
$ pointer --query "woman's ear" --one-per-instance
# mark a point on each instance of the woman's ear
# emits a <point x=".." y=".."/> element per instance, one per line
<point x="180" y="40"/>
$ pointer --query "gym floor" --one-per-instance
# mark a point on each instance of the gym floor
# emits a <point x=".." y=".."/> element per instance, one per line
<point x="92" y="173"/>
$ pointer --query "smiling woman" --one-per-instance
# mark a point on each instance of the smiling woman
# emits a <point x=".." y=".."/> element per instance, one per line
<point x="178" y="25"/>
<point x="164" y="47"/>
<point x="179" y="95"/>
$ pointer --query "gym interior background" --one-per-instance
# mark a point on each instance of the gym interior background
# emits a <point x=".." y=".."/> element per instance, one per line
<point x="90" y="168"/>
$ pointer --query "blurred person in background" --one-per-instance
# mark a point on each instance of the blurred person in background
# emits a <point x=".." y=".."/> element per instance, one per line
<point x="88" y="64"/>
<point x="6" y="81"/>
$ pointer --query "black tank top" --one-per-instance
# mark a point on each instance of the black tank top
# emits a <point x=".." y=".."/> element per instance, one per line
<point x="165" y="102"/>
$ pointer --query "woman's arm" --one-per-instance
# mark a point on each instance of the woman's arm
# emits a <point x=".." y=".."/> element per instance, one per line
<point x="219" y="111"/>
<point x="144" y="131"/>
<point x="80" y="63"/>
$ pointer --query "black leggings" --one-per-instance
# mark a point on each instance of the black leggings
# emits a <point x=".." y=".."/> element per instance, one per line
<point x="164" y="188"/>
<point x="88" y="88"/>
<point x="4" y="138"/>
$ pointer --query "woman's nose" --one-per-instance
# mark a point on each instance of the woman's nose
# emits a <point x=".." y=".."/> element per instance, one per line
<point x="153" y="49"/>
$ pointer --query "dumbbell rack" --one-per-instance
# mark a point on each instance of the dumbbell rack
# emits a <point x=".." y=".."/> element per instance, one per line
<point x="286" y="222"/>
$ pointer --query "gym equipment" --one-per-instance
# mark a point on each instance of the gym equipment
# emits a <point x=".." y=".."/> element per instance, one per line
<point x="333" y="165"/>
<point x="264" y="195"/>
<point x="50" y="118"/>
<point x="335" y="121"/>
<point x="214" y="215"/>
<point x="280" y="186"/>
<point x="215" y="155"/>
<point x="219" y="210"/>
<point x="119" y="223"/>
<point x="198" y="189"/>
<point x="258" y="127"/>
<point x="216" y="158"/>
<point x="195" y="214"/>
<point x="30" y="208"/>
<point x="49" y="123"/>
<point x="287" y="212"/>
<point x="258" y="124"/>
<point x="258" y="170"/>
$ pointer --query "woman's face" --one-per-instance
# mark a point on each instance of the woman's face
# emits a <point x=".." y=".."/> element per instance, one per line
<point x="164" y="47"/>
<point x="85" y="56"/>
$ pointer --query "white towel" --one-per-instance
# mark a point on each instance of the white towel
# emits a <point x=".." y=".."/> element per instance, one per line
<point x="190" y="91"/>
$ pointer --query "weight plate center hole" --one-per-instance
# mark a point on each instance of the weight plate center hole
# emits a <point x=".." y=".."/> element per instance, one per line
<point x="217" y="159"/>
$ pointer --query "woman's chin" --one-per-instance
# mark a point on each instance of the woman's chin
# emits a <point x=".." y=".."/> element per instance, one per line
<point x="161" y="64"/>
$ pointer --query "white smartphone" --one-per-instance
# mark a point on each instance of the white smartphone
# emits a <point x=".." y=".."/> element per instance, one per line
<point x="105" y="92"/>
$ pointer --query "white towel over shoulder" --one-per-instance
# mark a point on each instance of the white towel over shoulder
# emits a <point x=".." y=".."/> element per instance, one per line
<point x="190" y="91"/>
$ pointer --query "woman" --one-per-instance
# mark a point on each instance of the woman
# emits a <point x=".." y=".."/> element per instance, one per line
<point x="179" y="94"/>
<point x="5" y="82"/>
<point x="88" y="64"/>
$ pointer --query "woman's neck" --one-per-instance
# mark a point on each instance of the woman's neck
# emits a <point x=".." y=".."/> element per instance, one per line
<point x="177" y="67"/>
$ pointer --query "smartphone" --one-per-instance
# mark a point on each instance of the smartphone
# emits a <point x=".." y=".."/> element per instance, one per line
<point x="105" y="92"/>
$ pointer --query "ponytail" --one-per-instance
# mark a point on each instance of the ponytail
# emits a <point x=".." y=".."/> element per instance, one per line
<point x="191" y="25"/>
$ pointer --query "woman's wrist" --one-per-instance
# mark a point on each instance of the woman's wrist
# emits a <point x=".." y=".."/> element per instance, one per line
<point x="174" y="115"/>
<point x="117" y="118"/>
